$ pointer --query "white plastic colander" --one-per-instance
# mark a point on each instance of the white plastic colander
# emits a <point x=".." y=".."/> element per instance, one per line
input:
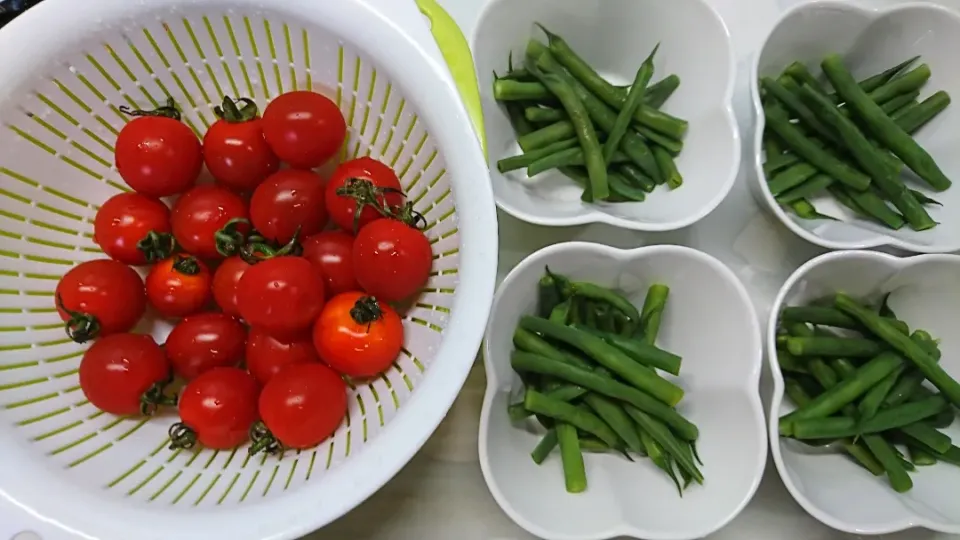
<point x="66" y="66"/>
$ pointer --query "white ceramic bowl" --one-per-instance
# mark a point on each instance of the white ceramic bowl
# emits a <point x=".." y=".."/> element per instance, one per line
<point x="615" y="36"/>
<point x="872" y="39"/>
<point x="925" y="291"/>
<point x="710" y="322"/>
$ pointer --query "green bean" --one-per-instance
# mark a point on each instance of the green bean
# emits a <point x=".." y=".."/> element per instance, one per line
<point x="876" y="207"/>
<point x="546" y="136"/>
<point x="920" y="457"/>
<point x="843" y="367"/>
<point x="913" y="120"/>
<point x="640" y="351"/>
<point x="951" y="456"/>
<point x="899" y="102"/>
<point x="561" y="313"/>
<point x="655" y="96"/>
<point x="656" y="454"/>
<point x="574" y="472"/>
<point x="790" y="363"/>
<point x="812" y="152"/>
<point x="510" y="90"/>
<point x="668" y="168"/>
<point x="792" y="177"/>
<point x="605" y="320"/>
<point x="925" y="199"/>
<point x="886" y="419"/>
<point x="666" y="440"/>
<point x="624" y="190"/>
<point x="792" y="102"/>
<point x="803" y="209"/>
<point x="819" y="315"/>
<point x="906" y="83"/>
<point x="564" y="158"/>
<point x="532" y="343"/>
<point x="897" y="115"/>
<point x="579" y="68"/>
<point x="809" y="188"/>
<point x="871" y="160"/>
<point x="523" y="160"/>
<point x="874" y="398"/>
<point x="652" y="313"/>
<point x="517" y="412"/>
<point x="799" y="71"/>
<point x="834" y="346"/>
<point x="607" y="356"/>
<point x="570" y="414"/>
<point x="544" y="114"/>
<point x="526" y="362"/>
<point x="876" y="81"/>
<point x="882" y="127"/>
<point x="613" y="414"/>
<point x="771" y="146"/>
<point x="928" y="436"/>
<point x="941" y="420"/>
<point x="658" y="93"/>
<point x="914" y="352"/>
<point x="546" y="445"/>
<point x="779" y="163"/>
<point x="591" y="291"/>
<point x="630" y="106"/>
<point x="519" y="124"/>
<point x="637" y="177"/>
<point x="548" y="295"/>
<point x="899" y="479"/>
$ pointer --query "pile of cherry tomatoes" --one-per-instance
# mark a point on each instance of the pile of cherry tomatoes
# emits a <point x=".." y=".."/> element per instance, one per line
<point x="273" y="307"/>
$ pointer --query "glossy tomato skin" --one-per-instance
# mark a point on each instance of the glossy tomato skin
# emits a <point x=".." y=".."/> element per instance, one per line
<point x="287" y="200"/>
<point x="282" y="296"/>
<point x="179" y="286"/>
<point x="391" y="260"/>
<point x="304" y="129"/>
<point x="117" y="370"/>
<point x="158" y="156"/>
<point x="226" y="281"/>
<point x="205" y="341"/>
<point x="237" y="155"/>
<point x="200" y="213"/>
<point x="332" y="253"/>
<point x="123" y="225"/>
<point x="220" y="406"/>
<point x="267" y="355"/>
<point x="380" y="178"/>
<point x="303" y="404"/>
<point x="110" y="291"/>
<point x="358" y="347"/>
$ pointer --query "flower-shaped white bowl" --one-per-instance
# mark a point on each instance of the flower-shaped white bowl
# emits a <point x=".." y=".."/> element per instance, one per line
<point x="710" y="322"/>
<point x="871" y="39"/>
<point x="615" y="36"/>
<point x="925" y="293"/>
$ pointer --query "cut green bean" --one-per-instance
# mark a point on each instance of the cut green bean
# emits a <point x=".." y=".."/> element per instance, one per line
<point x="809" y="188"/>
<point x="899" y="479"/>
<point x="640" y="351"/>
<point x="630" y="106"/>
<point x="527" y="158"/>
<point x="843" y="367"/>
<point x="876" y="81"/>
<point x="658" y="456"/>
<point x="548" y="295"/>
<point x="546" y="445"/>
<point x="834" y="346"/>
<point x="819" y="315"/>
<point x="545" y="136"/>
<point x="925" y="199"/>
<point x="668" y="168"/>
<point x="779" y="164"/>
<point x="790" y="178"/>
<point x="613" y="414"/>
<point x="874" y="398"/>
<point x="916" y="118"/>
<point x="541" y="115"/>
<point x="532" y="343"/>
<point x="928" y="436"/>
<point x="658" y="93"/>
<point x="637" y="177"/>
<point x="666" y="440"/>
<point x="574" y="471"/>
<point x="563" y="412"/>
<point x="511" y="90"/>
<point x="623" y="189"/>
<point x="651" y="314"/>
<point x="876" y="207"/>
<point x="792" y="102"/>
<point x="891" y="107"/>
<point x="591" y="291"/>
<point x="804" y="209"/>
<point x="886" y="419"/>
<point x="790" y="363"/>
<point x="564" y="158"/>
<point x="920" y="457"/>
<point x="906" y="83"/>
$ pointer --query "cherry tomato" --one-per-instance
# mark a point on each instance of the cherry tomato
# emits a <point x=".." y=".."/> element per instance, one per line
<point x="234" y="149"/>
<point x="201" y="217"/>
<point x="357" y="335"/>
<point x="133" y="229"/>
<point x="287" y="200"/>
<point x="205" y="341"/>
<point x="99" y="298"/>
<point x="225" y="282"/>
<point x="332" y="253"/>
<point x="283" y="295"/>
<point x="179" y="286"/>
<point x="124" y="374"/>
<point x="303" y="405"/>
<point x="217" y="410"/>
<point x="363" y="183"/>
<point x="267" y="355"/>
<point x="391" y="259"/>
<point x="158" y="156"/>
<point x="304" y="129"/>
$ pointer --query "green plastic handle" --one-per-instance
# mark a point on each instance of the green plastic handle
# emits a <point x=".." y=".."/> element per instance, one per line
<point x="456" y="52"/>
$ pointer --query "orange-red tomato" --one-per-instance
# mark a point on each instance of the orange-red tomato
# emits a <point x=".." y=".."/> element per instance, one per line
<point x="179" y="286"/>
<point x="267" y="355"/>
<point x="303" y="405"/>
<point x="358" y="335"/>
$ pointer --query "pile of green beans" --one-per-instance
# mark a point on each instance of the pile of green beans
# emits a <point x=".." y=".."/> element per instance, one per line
<point x="856" y="375"/>
<point x="851" y="144"/>
<point x="589" y="362"/>
<point x="613" y="141"/>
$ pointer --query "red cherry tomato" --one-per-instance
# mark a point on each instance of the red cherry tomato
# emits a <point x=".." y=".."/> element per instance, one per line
<point x="205" y="341"/>
<point x="267" y="355"/>
<point x="365" y="183"/>
<point x="158" y="156"/>
<point x="357" y="335"/>
<point x="287" y="200"/>
<point x="133" y="229"/>
<point x="225" y="282"/>
<point x="179" y="286"/>
<point x="99" y="298"/>
<point x="304" y="129"/>
<point x="124" y="374"/>
<point x="201" y="217"/>
<point x="303" y="405"/>
<point x="283" y="295"/>
<point x="234" y="149"/>
<point x="217" y="410"/>
<point x="391" y="259"/>
<point x="332" y="253"/>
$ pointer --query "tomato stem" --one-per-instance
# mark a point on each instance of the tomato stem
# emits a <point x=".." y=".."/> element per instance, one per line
<point x="80" y="327"/>
<point x="187" y="265"/>
<point x="230" y="112"/>
<point x="261" y="250"/>
<point x="156" y="246"/>
<point x="182" y="437"/>
<point x="230" y="239"/>
<point x="366" y="194"/>
<point x="263" y="440"/>
<point x="409" y="216"/>
<point x="366" y="311"/>
<point x="156" y="397"/>
<point x="168" y="110"/>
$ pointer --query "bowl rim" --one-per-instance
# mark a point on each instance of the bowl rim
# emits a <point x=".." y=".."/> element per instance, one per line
<point x="778" y="391"/>
<point x="879" y="240"/>
<point x="587" y="215"/>
<point x="753" y="386"/>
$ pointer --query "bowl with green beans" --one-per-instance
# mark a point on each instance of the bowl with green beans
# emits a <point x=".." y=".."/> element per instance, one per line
<point x="862" y="346"/>
<point x="615" y="112"/>
<point x="622" y="394"/>
<point x="853" y="147"/>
